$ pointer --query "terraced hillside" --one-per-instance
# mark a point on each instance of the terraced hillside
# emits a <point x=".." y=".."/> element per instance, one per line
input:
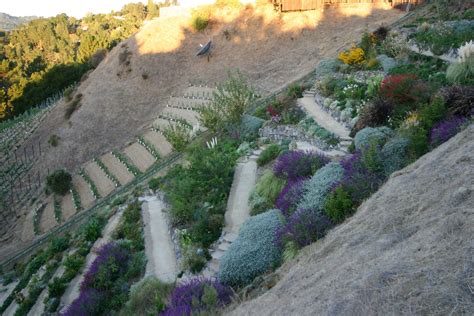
<point x="97" y="178"/>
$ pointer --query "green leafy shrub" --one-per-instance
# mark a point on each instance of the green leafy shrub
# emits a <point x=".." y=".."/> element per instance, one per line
<point x="58" y="245"/>
<point x="370" y="135"/>
<point x="200" y="18"/>
<point x="154" y="184"/>
<point x="205" y="179"/>
<point x="178" y="135"/>
<point x="253" y="252"/>
<point x="93" y="229"/>
<point x="194" y="259"/>
<point x="266" y="191"/>
<point x="295" y="91"/>
<point x="56" y="287"/>
<point x="339" y="205"/>
<point x="229" y="103"/>
<point x="249" y="126"/>
<point x="268" y="154"/>
<point x="319" y="186"/>
<point x="394" y="154"/>
<point x="147" y="297"/>
<point x="59" y="182"/>
<point x="130" y="227"/>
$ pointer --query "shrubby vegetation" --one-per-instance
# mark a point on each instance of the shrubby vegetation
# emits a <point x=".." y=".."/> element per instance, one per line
<point x="198" y="295"/>
<point x="268" y="154"/>
<point x="59" y="182"/>
<point x="265" y="193"/>
<point x="198" y="192"/>
<point x="147" y="297"/>
<point x="229" y="103"/>
<point x="253" y="252"/>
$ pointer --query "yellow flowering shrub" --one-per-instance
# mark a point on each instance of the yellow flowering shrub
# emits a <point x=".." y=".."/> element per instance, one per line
<point x="355" y="55"/>
<point x="412" y="119"/>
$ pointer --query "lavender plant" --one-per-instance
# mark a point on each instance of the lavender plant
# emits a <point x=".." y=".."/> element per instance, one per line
<point x="290" y="195"/>
<point x="295" y="164"/>
<point x="198" y="295"/>
<point x="446" y="129"/>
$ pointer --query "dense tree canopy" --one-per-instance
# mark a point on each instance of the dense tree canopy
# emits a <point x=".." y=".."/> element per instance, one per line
<point x="46" y="55"/>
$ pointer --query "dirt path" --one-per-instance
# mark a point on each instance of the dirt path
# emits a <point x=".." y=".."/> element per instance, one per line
<point x="84" y="191"/>
<point x="73" y="289"/>
<point x="238" y="210"/>
<point x="159" y="141"/>
<point x="139" y="156"/>
<point x="6" y="291"/>
<point x="323" y="118"/>
<point x="159" y="247"/>
<point x="47" y="220"/>
<point x="117" y="168"/>
<point x="67" y="207"/>
<point x="103" y="184"/>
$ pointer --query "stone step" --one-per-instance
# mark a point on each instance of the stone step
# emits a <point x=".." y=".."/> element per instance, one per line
<point x="214" y="265"/>
<point x="217" y="254"/>
<point x="230" y="237"/>
<point x="224" y="246"/>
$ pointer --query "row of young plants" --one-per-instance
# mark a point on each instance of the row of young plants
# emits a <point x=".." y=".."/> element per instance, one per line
<point x="124" y="160"/>
<point x="107" y="172"/>
<point x="149" y="147"/>
<point x="57" y="208"/>
<point x="37" y="212"/>
<point x="25" y="272"/>
<point x="76" y="199"/>
<point x="90" y="183"/>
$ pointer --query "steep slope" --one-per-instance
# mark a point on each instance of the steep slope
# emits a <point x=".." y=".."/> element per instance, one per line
<point x="408" y="249"/>
<point x="132" y="85"/>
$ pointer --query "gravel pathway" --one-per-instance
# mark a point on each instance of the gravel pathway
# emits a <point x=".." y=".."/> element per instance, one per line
<point x="323" y="118"/>
<point x="158" y="245"/>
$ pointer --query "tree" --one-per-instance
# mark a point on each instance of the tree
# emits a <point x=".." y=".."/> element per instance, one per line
<point x="59" y="182"/>
<point x="153" y="10"/>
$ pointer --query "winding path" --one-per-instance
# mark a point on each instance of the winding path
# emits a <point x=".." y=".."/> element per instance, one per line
<point x="238" y="210"/>
<point x="158" y="244"/>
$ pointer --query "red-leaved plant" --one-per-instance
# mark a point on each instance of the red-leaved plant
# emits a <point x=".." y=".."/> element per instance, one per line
<point x="401" y="89"/>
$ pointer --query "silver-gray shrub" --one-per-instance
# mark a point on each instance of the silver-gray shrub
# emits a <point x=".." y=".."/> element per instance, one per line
<point x="371" y="135"/>
<point x="394" y="154"/>
<point x="254" y="251"/>
<point x="319" y="186"/>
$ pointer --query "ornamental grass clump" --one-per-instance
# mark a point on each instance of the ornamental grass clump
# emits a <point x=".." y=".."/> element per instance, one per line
<point x="147" y="297"/>
<point x="444" y="130"/>
<point x="266" y="191"/>
<point x="296" y="164"/>
<point x="462" y="70"/>
<point x="290" y="195"/>
<point x="253" y="252"/>
<point x="198" y="296"/>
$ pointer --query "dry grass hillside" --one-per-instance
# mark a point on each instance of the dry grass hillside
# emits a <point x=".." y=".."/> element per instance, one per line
<point x="407" y="251"/>
<point x="131" y="86"/>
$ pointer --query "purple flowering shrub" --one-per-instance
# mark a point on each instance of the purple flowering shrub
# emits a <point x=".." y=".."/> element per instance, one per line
<point x="88" y="303"/>
<point x="198" y="295"/>
<point x="105" y="284"/>
<point x="444" y="130"/>
<point x="290" y="195"/>
<point x="111" y="263"/>
<point x="303" y="228"/>
<point x="296" y="164"/>
<point x="363" y="174"/>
